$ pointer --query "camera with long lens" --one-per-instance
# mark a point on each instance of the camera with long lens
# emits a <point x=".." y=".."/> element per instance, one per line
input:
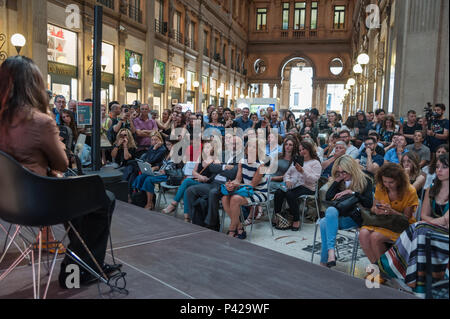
<point x="430" y="115"/>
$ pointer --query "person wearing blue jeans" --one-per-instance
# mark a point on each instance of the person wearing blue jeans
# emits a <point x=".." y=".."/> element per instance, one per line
<point x="347" y="179"/>
<point x="328" y="230"/>
<point x="201" y="174"/>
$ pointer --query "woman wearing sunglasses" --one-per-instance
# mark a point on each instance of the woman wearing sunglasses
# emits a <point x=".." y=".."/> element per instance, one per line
<point x="347" y="178"/>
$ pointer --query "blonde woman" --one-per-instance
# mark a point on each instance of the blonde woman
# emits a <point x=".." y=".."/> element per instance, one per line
<point x="347" y="178"/>
<point x="124" y="149"/>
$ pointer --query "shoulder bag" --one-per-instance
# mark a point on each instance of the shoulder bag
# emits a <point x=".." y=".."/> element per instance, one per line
<point x="396" y="223"/>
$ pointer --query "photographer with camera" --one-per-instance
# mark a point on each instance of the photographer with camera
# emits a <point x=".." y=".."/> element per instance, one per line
<point x="437" y="126"/>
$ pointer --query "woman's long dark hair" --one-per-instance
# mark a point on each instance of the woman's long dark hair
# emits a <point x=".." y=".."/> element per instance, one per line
<point x="310" y="148"/>
<point x="437" y="184"/>
<point x="72" y="125"/>
<point x="432" y="167"/>
<point x="22" y="88"/>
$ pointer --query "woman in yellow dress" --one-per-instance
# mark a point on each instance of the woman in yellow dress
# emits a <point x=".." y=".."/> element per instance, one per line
<point x="394" y="195"/>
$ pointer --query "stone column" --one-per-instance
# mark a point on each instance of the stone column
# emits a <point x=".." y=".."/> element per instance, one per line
<point x="271" y="86"/>
<point x="32" y="23"/>
<point x="285" y="94"/>
<point x="149" y="64"/>
<point x="199" y="67"/>
<point x="121" y="94"/>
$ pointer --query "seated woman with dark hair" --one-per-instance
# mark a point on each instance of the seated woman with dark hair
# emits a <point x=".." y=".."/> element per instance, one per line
<point x="347" y="178"/>
<point x="411" y="163"/>
<point x="201" y="174"/>
<point x="147" y="182"/>
<point x="405" y="261"/>
<point x="69" y="120"/>
<point x="124" y="149"/>
<point x="300" y="180"/>
<point x="394" y="195"/>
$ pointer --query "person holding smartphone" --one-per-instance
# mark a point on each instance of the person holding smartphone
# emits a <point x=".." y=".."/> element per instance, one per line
<point x="301" y="179"/>
<point x="124" y="121"/>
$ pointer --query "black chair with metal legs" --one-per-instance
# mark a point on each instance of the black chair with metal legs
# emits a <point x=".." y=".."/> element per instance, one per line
<point x="32" y="201"/>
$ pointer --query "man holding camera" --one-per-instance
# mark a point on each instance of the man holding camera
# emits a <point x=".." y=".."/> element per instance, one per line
<point x="438" y="134"/>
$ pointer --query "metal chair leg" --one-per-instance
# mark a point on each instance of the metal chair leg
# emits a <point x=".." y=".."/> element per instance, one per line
<point x="314" y="241"/>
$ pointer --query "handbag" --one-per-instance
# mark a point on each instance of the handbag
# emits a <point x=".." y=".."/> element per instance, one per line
<point x="243" y="190"/>
<point x="396" y="223"/>
<point x="174" y="177"/>
<point x="346" y="205"/>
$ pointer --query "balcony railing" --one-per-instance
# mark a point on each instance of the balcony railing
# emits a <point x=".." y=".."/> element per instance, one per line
<point x="107" y="3"/>
<point x="135" y="13"/>
<point x="190" y="44"/>
<point x="160" y="27"/>
<point x="178" y="36"/>
<point x="299" y="34"/>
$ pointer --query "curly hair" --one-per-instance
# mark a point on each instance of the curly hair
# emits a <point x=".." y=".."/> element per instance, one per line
<point x="396" y="172"/>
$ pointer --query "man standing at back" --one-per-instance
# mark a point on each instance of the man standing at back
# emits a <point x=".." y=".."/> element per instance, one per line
<point x="439" y="128"/>
<point x="145" y="127"/>
<point x="410" y="127"/>
<point x="377" y="124"/>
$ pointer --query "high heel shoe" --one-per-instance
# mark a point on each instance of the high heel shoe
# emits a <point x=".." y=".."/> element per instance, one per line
<point x="169" y="209"/>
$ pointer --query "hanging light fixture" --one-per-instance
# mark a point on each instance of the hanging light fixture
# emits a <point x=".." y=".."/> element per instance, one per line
<point x="196" y="84"/>
<point x="357" y="69"/>
<point x="363" y="59"/>
<point x="180" y="80"/>
<point x="136" y="68"/>
<point x="351" y="82"/>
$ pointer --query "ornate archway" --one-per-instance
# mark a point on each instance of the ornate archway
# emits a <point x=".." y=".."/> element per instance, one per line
<point x="294" y="95"/>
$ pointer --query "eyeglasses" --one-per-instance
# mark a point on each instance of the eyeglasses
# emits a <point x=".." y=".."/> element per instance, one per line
<point x="342" y="172"/>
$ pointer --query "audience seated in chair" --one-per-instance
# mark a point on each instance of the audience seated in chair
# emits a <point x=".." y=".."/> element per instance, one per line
<point x="405" y="260"/>
<point x="411" y="165"/>
<point x="394" y="195"/>
<point x="251" y="172"/>
<point x="147" y="182"/>
<point x="212" y="192"/>
<point x="201" y="174"/>
<point x="124" y="149"/>
<point x="327" y="166"/>
<point x="347" y="178"/>
<point x="299" y="180"/>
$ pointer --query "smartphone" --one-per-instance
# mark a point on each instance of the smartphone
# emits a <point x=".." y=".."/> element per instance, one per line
<point x="378" y="205"/>
<point x="299" y="160"/>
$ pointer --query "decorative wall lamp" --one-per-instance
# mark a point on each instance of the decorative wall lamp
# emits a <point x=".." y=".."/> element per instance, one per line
<point x="18" y="41"/>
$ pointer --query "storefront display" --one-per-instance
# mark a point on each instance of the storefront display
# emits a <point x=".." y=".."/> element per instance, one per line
<point x="62" y="62"/>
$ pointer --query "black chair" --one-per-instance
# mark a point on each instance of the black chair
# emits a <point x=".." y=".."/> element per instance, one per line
<point x="29" y="200"/>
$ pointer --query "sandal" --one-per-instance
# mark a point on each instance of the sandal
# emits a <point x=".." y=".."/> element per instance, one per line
<point x="169" y="209"/>
<point x="187" y="220"/>
<point x="232" y="231"/>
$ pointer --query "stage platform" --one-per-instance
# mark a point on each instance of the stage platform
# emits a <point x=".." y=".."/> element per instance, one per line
<point x="166" y="258"/>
